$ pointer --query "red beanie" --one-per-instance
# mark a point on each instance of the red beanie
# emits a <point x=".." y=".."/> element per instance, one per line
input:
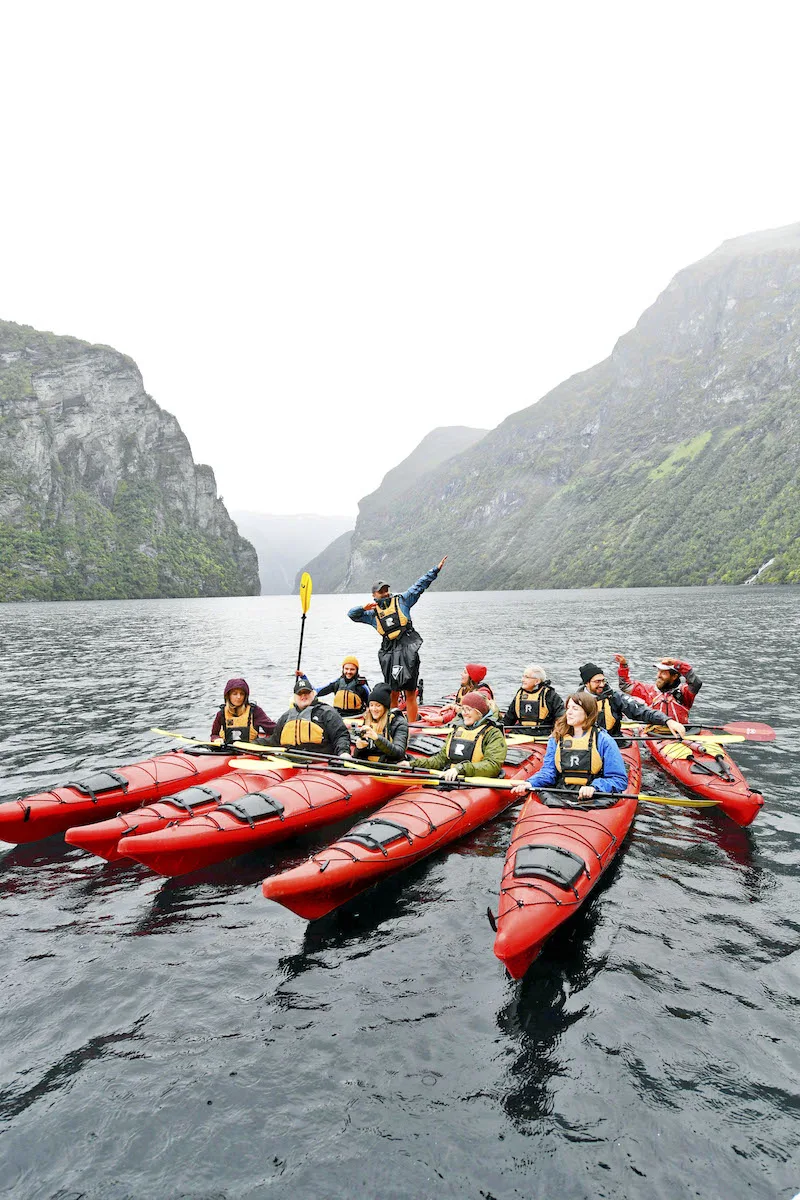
<point x="476" y="700"/>
<point x="476" y="672"/>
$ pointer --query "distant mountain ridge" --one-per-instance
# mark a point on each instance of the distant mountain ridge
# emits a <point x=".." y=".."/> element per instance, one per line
<point x="339" y="567"/>
<point x="284" y="543"/>
<point x="674" y="461"/>
<point x="100" y="497"/>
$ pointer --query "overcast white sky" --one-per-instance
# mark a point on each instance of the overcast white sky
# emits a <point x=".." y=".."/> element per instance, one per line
<point x="323" y="228"/>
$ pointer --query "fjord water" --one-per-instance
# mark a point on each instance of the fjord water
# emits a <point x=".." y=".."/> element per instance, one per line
<point x="186" y="1038"/>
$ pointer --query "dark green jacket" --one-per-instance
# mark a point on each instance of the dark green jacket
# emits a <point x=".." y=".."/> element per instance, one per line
<point x="495" y="749"/>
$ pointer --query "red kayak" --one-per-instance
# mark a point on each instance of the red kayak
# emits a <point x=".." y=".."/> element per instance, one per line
<point x="310" y="799"/>
<point x="102" y="837"/>
<point x="555" y="858"/>
<point x="94" y="795"/>
<point x="405" y="830"/>
<point x="704" y="769"/>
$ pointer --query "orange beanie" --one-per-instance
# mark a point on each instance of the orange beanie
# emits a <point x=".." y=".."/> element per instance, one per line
<point x="350" y="658"/>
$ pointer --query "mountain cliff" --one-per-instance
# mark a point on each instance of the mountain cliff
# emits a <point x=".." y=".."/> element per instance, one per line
<point x="340" y="567"/>
<point x="674" y="461"/>
<point x="100" y="497"/>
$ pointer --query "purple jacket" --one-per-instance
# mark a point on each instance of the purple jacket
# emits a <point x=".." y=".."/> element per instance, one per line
<point x="259" y="718"/>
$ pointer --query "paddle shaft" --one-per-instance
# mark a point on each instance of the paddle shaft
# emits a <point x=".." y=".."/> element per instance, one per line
<point x="300" y="650"/>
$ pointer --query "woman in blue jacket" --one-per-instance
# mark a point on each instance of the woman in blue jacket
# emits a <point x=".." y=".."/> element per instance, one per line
<point x="579" y="755"/>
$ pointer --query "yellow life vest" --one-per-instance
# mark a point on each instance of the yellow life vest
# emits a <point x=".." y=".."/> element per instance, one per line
<point x="379" y="728"/>
<point x="391" y="621"/>
<point x="605" y="716"/>
<point x="237" y="728"/>
<point x="577" y="759"/>
<point x="348" y="701"/>
<point x="466" y="744"/>
<point x="532" y="707"/>
<point x="302" y="731"/>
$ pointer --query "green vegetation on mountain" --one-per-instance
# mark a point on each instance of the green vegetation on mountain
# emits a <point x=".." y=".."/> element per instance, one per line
<point x="99" y="495"/>
<point x="673" y="462"/>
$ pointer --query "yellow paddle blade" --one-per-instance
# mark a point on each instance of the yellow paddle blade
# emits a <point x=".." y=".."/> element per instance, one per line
<point x="679" y="801"/>
<point x="259" y="764"/>
<point x="181" y="737"/>
<point x="305" y="591"/>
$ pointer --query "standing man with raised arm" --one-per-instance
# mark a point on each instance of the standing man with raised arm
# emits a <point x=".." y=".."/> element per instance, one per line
<point x="399" y="652"/>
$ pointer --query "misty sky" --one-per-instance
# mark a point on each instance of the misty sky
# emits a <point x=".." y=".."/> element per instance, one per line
<point x="321" y="229"/>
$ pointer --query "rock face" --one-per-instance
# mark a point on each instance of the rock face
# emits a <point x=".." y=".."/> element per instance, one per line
<point x="349" y="563"/>
<point x="675" y="461"/>
<point x="100" y="497"/>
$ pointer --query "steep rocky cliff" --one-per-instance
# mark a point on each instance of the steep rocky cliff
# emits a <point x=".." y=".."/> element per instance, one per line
<point x="344" y="564"/>
<point x="100" y="497"/>
<point x="674" y="461"/>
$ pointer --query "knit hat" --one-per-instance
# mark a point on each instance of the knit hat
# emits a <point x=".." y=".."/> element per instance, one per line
<point x="381" y="694"/>
<point x="589" y="670"/>
<point x="303" y="685"/>
<point x="350" y="658"/>
<point x="476" y="672"/>
<point x="476" y="700"/>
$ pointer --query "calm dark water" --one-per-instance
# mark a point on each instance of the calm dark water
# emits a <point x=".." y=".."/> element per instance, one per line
<point x="189" y="1039"/>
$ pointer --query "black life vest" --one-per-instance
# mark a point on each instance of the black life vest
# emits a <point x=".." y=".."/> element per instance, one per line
<point x="391" y="621"/>
<point x="532" y="708"/>
<point x="303" y="730"/>
<point x="466" y="744"/>
<point x="577" y="759"/>
<point x="347" y="699"/>
<point x="237" y="729"/>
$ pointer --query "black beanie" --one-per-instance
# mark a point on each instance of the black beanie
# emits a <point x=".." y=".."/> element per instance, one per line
<point x="589" y="670"/>
<point x="382" y="694"/>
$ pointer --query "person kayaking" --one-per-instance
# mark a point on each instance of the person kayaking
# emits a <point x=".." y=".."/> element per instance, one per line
<point x="399" y="652"/>
<point x="612" y="705"/>
<point x="473" y="679"/>
<point x="383" y="737"/>
<point x="537" y="705"/>
<point x="311" y="725"/>
<point x="673" y="692"/>
<point x="239" y="719"/>
<point x="475" y="748"/>
<point x="579" y="755"/>
<point x="351" y="689"/>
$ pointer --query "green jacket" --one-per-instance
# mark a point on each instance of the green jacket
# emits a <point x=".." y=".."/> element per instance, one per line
<point x="495" y="749"/>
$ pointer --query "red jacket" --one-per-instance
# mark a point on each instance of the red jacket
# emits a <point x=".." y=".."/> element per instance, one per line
<point x="674" y="703"/>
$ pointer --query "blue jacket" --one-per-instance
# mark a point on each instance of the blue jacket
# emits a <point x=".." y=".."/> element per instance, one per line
<point x="613" y="779"/>
<point x="405" y="600"/>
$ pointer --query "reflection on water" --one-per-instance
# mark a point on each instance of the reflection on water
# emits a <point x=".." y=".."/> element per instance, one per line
<point x="186" y="1038"/>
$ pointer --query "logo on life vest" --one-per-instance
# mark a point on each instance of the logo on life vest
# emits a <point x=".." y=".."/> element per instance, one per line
<point x="574" y="760"/>
<point x="458" y="750"/>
